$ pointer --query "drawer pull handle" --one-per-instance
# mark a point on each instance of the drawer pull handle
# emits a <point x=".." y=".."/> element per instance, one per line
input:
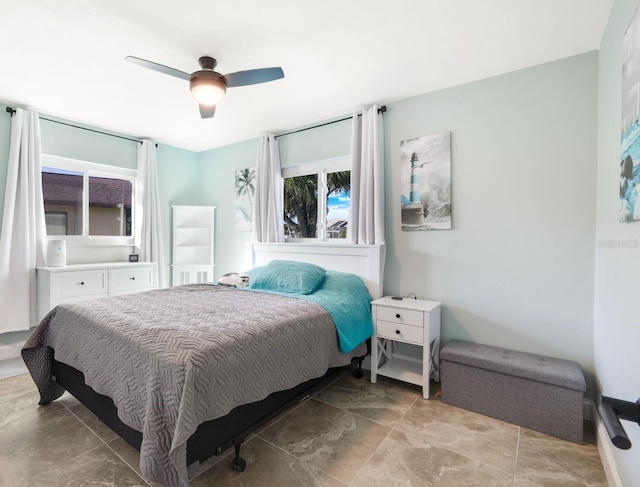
<point x="398" y="315"/>
<point x="132" y="278"/>
<point x="82" y="283"/>
<point x="397" y="332"/>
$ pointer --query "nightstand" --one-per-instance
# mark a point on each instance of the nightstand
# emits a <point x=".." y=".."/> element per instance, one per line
<point x="415" y="321"/>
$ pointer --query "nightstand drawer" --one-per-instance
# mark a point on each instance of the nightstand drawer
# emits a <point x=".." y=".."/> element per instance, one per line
<point x="399" y="315"/>
<point x="125" y="280"/>
<point x="79" y="283"/>
<point x="400" y="332"/>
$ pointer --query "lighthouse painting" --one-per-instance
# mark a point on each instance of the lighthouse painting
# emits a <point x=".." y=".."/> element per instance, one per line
<point x="425" y="178"/>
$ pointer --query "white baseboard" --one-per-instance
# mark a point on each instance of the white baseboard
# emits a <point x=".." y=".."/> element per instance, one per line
<point x="10" y="351"/>
<point x="605" y="448"/>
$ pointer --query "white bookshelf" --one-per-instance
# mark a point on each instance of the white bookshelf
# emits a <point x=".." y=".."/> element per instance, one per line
<point x="193" y="244"/>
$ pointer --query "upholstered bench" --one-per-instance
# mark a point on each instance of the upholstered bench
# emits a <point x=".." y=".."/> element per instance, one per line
<point x="541" y="393"/>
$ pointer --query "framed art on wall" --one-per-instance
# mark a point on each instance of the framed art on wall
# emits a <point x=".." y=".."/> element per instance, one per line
<point x="245" y="194"/>
<point x="425" y="175"/>
<point x="630" y="138"/>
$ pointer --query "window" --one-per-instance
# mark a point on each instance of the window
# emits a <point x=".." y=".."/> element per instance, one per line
<point x="87" y="202"/>
<point x="316" y="199"/>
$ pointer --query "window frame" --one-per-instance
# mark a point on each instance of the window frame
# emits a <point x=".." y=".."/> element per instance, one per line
<point x="94" y="169"/>
<point x="321" y="168"/>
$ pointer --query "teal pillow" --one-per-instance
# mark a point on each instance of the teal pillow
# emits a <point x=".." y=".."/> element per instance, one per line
<point x="288" y="276"/>
<point x="252" y="273"/>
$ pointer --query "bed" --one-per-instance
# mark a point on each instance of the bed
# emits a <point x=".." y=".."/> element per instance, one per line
<point x="153" y="367"/>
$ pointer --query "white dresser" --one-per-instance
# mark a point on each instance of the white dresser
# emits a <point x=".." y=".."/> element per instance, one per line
<point x="414" y="321"/>
<point x="73" y="283"/>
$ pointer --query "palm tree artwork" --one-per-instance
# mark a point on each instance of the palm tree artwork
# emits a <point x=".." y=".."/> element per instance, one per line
<point x="245" y="193"/>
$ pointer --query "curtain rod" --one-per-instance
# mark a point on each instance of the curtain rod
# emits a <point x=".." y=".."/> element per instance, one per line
<point x="12" y="111"/>
<point x="382" y="109"/>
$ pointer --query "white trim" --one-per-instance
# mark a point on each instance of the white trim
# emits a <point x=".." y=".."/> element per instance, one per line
<point x="47" y="160"/>
<point x="605" y="448"/>
<point x="93" y="240"/>
<point x="332" y="164"/>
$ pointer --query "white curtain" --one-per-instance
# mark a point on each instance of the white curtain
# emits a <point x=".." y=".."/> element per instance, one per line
<point x="23" y="241"/>
<point x="366" y="213"/>
<point x="267" y="220"/>
<point x="149" y="240"/>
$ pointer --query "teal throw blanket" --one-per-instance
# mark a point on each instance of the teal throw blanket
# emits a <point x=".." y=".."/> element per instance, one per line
<point x="347" y="300"/>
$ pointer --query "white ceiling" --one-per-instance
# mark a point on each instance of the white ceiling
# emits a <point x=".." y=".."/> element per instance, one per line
<point x="66" y="57"/>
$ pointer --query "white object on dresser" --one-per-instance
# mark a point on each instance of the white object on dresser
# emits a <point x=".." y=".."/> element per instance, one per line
<point x="193" y="244"/>
<point x="80" y="282"/>
<point x="56" y="253"/>
<point x="415" y="321"/>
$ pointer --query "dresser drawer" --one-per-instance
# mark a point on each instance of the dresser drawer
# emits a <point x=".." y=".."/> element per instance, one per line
<point x="125" y="279"/>
<point x="400" y="332"/>
<point x="78" y="283"/>
<point x="399" y="315"/>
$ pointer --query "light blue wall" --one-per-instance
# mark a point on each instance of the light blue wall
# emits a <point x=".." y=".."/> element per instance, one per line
<point x="316" y="144"/>
<point x="74" y="143"/>
<point x="216" y="187"/>
<point x="177" y="183"/>
<point x="517" y="268"/>
<point x="616" y="320"/>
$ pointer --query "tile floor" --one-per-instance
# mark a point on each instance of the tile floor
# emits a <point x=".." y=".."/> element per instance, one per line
<point x="351" y="433"/>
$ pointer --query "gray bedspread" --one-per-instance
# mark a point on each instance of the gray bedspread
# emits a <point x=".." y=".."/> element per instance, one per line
<point x="173" y="358"/>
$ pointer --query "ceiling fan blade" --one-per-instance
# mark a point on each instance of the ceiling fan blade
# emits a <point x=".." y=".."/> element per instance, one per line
<point x="207" y="111"/>
<point x="158" y="67"/>
<point x="253" y="76"/>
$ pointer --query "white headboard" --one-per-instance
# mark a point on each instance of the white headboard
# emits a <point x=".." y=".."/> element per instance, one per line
<point x="366" y="261"/>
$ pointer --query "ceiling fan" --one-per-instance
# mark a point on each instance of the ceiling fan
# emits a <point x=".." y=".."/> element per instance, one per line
<point x="208" y="86"/>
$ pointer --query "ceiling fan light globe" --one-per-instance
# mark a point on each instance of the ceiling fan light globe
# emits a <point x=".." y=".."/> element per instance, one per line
<point x="207" y="88"/>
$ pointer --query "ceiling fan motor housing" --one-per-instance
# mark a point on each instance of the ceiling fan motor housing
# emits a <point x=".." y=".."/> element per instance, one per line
<point x="207" y="62"/>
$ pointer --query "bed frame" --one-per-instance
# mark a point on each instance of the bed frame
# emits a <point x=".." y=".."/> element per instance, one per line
<point x="216" y="436"/>
<point x="212" y="437"/>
